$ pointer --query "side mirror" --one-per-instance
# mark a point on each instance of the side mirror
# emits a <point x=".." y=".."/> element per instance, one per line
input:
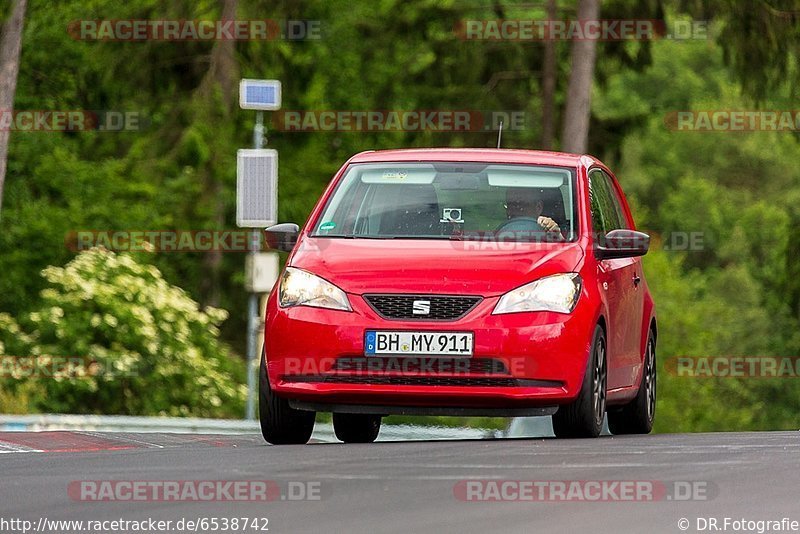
<point x="622" y="244"/>
<point x="282" y="236"/>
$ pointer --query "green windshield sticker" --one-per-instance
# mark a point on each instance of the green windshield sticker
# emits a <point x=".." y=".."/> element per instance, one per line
<point x="330" y="225"/>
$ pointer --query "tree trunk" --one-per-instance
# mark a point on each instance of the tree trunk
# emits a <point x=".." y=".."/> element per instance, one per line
<point x="549" y="85"/>
<point x="220" y="81"/>
<point x="578" y="108"/>
<point x="10" y="46"/>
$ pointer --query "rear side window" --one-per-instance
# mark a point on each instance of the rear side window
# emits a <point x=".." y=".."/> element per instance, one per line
<point x="607" y="212"/>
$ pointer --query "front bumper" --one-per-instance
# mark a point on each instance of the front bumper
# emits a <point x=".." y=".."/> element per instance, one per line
<point x="315" y="357"/>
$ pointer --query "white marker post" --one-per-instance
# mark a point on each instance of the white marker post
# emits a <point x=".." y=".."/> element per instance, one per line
<point x="257" y="207"/>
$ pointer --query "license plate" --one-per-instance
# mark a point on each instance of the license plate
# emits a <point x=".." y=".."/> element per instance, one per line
<point x="378" y="342"/>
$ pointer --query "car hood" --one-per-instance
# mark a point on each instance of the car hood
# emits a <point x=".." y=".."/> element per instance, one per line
<point x="432" y="266"/>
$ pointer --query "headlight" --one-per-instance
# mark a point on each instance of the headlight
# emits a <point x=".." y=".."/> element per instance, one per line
<point x="558" y="293"/>
<point x="301" y="288"/>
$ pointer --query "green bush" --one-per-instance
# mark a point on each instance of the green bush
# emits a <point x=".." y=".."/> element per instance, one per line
<point x="144" y="346"/>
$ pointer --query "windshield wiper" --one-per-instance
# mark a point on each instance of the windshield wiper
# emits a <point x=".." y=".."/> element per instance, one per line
<point x="355" y="236"/>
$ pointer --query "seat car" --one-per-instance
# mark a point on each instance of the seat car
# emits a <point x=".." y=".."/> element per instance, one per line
<point x="470" y="282"/>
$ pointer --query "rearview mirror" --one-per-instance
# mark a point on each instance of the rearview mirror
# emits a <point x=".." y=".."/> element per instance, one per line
<point x="282" y="236"/>
<point x="622" y="244"/>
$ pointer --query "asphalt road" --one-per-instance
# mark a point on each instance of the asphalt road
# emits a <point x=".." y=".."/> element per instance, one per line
<point x="415" y="486"/>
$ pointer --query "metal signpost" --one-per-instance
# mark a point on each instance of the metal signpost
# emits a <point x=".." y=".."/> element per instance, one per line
<point x="257" y="207"/>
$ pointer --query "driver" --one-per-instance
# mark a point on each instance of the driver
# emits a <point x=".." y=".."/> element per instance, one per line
<point x="525" y="202"/>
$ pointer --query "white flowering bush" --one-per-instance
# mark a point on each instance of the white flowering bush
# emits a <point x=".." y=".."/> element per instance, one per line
<point x="138" y="345"/>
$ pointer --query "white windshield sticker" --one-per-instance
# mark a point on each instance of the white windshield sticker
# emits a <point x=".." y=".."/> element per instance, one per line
<point x="393" y="175"/>
<point x="527" y="177"/>
<point x="451" y="215"/>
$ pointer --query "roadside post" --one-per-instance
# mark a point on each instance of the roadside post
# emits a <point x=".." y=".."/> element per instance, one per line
<point x="257" y="207"/>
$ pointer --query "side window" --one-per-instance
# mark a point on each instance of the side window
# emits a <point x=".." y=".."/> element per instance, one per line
<point x="594" y="203"/>
<point x="622" y="222"/>
<point x="605" y="216"/>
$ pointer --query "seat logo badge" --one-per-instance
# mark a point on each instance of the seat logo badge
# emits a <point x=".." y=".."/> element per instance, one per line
<point x="421" y="307"/>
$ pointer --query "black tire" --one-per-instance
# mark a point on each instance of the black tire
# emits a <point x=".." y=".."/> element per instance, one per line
<point x="583" y="418"/>
<point x="356" y="427"/>
<point x="638" y="415"/>
<point x="280" y="423"/>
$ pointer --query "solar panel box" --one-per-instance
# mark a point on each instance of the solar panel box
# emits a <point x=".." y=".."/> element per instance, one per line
<point x="262" y="95"/>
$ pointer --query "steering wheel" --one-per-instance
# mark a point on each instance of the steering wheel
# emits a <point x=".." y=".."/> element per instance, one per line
<point x="527" y="224"/>
<point x="520" y="224"/>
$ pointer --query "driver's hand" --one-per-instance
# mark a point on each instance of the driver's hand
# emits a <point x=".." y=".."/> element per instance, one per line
<point x="548" y="224"/>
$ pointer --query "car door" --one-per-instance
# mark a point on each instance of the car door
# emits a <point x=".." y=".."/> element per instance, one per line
<point x="618" y="281"/>
<point x="634" y="294"/>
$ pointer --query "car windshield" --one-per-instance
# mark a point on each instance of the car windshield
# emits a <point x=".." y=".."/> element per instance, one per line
<point x="452" y="201"/>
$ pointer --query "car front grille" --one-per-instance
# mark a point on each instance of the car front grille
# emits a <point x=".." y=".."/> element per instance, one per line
<point x="439" y="307"/>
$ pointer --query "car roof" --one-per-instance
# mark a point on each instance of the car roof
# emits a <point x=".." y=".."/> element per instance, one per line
<point x="488" y="155"/>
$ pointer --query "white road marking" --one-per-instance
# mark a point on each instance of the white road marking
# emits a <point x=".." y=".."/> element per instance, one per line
<point x="6" y="448"/>
<point x="121" y="438"/>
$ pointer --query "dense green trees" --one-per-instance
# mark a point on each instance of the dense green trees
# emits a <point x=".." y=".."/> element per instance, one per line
<point x="738" y="293"/>
<point x="727" y="294"/>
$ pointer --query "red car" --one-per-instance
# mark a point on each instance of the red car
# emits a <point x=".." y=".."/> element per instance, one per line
<point x="461" y="282"/>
